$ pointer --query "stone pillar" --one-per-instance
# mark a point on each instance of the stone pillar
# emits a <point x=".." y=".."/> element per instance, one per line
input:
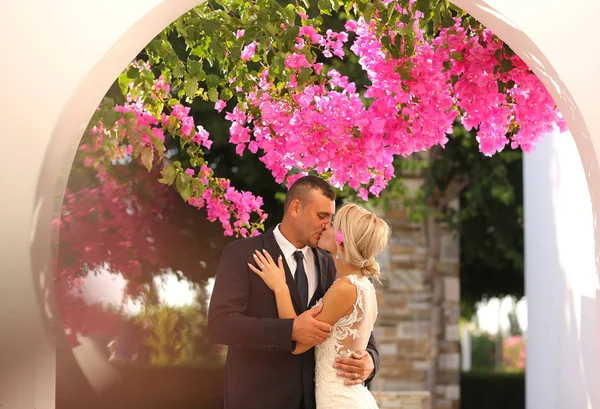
<point x="404" y="323"/>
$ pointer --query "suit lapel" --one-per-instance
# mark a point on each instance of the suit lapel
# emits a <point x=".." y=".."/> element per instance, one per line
<point x="273" y="248"/>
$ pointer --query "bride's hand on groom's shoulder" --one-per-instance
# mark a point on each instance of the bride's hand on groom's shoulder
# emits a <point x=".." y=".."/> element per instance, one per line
<point x="273" y="274"/>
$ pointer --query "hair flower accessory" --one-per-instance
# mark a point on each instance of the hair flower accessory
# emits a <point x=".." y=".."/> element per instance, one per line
<point x="339" y="237"/>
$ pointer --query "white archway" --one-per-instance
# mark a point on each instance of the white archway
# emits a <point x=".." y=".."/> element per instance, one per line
<point x="59" y="60"/>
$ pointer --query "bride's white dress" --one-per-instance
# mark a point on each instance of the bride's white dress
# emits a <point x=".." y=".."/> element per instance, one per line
<point x="350" y="334"/>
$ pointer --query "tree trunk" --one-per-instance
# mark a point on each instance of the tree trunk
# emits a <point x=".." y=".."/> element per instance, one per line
<point x="435" y="284"/>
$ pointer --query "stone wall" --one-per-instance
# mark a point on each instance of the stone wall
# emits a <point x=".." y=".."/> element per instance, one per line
<point x="404" y="323"/>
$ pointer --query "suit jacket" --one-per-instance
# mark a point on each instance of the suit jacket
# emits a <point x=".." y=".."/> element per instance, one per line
<point x="260" y="371"/>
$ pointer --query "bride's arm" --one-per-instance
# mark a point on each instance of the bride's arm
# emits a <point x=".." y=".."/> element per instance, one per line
<point x="285" y="308"/>
<point x="338" y="302"/>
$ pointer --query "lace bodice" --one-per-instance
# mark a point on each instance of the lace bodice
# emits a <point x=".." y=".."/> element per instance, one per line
<point x="350" y="334"/>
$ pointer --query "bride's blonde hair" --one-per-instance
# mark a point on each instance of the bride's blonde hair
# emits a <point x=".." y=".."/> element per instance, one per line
<point x="364" y="235"/>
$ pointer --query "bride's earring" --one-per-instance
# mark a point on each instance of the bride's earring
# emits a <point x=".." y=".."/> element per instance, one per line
<point x="337" y="256"/>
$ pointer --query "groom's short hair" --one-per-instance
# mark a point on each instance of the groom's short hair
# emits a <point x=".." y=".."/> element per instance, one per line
<point x="302" y="187"/>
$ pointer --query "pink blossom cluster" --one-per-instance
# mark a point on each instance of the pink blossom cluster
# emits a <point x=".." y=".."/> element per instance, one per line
<point x="414" y="102"/>
<point x="528" y="106"/>
<point x="298" y="134"/>
<point x="514" y="351"/>
<point x="223" y="202"/>
<point x="232" y="208"/>
<point x="431" y="101"/>
<point x="331" y="44"/>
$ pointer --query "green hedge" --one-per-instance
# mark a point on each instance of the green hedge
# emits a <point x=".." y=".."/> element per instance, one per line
<point x="489" y="390"/>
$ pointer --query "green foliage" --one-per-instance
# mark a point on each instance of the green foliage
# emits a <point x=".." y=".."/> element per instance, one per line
<point x="178" y="336"/>
<point x="492" y="390"/>
<point x="164" y="342"/>
<point x="482" y="352"/>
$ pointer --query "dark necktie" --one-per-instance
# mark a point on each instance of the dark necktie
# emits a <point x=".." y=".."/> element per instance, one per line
<point x="301" y="280"/>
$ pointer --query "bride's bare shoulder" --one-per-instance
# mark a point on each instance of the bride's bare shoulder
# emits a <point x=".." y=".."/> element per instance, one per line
<point x="342" y="289"/>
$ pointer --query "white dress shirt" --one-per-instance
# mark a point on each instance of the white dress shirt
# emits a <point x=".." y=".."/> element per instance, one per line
<point x="288" y="250"/>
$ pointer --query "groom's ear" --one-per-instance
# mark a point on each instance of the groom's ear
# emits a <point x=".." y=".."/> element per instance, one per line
<point x="295" y="206"/>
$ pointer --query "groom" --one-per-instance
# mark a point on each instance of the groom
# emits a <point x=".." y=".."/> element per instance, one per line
<point x="261" y="372"/>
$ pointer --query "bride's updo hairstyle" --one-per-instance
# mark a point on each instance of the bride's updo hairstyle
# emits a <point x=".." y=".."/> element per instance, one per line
<point x="363" y="234"/>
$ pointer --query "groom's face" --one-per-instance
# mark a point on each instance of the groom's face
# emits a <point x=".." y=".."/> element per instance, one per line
<point x="314" y="217"/>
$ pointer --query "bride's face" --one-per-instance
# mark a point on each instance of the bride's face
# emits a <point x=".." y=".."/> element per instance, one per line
<point x="327" y="240"/>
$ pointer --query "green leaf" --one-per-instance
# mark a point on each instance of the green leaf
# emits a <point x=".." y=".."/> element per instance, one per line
<point x="409" y="44"/>
<point x="501" y="86"/>
<point x="368" y="13"/>
<point x="226" y="94"/>
<point x="133" y="73"/>
<point x="507" y="50"/>
<point x="457" y="56"/>
<point x="289" y="38"/>
<point x="212" y="81"/>
<point x="437" y="19"/>
<point x="289" y="12"/>
<point x="147" y="157"/>
<point x="395" y="50"/>
<point x="506" y="66"/>
<point x="325" y="6"/>
<point x="390" y="11"/>
<point x="194" y="68"/>
<point x="110" y="118"/>
<point x="271" y="30"/>
<point x="131" y="120"/>
<point x="186" y="192"/>
<point x="448" y="21"/>
<point x="190" y="87"/>
<point x="386" y="42"/>
<point x="178" y="71"/>
<point x="213" y="95"/>
<point x="447" y="65"/>
<point x="404" y="72"/>
<point x="498" y="55"/>
<point x="404" y="30"/>
<point x="124" y="82"/>
<point x="159" y="145"/>
<point x="421" y="5"/>
<point x="200" y="188"/>
<point x="184" y="186"/>
<point x="277" y="65"/>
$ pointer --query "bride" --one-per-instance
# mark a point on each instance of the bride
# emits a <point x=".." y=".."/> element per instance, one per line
<point x="354" y="238"/>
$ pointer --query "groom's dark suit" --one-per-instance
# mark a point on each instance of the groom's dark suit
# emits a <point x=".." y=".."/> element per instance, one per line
<point x="261" y="372"/>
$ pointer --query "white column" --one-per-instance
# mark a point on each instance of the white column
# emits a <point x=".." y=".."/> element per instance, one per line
<point x="57" y="63"/>
<point x="465" y="349"/>
<point x="560" y="279"/>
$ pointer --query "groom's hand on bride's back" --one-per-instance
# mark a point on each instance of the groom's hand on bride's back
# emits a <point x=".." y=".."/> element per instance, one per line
<point x="309" y="331"/>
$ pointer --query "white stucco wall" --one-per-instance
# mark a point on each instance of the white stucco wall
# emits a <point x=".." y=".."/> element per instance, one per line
<point x="560" y="279"/>
<point x="59" y="58"/>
